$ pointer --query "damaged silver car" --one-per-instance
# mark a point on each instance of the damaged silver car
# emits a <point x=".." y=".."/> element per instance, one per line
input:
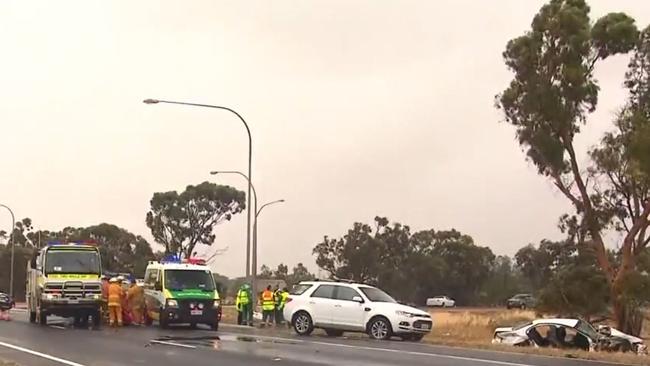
<point x="569" y="334"/>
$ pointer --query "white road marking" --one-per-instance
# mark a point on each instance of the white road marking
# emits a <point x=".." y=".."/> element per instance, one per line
<point x="39" y="354"/>
<point x="57" y="327"/>
<point x="172" y="344"/>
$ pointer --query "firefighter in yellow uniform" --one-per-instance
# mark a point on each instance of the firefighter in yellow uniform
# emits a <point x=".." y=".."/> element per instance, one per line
<point x="268" y="306"/>
<point x="115" y="294"/>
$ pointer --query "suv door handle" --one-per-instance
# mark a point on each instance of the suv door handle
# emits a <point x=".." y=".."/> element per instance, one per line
<point x="337" y="306"/>
<point x="311" y="303"/>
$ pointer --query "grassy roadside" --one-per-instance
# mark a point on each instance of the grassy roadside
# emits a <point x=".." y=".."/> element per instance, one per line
<point x="474" y="329"/>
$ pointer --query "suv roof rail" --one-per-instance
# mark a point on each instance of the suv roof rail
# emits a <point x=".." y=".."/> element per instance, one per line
<point x="344" y="280"/>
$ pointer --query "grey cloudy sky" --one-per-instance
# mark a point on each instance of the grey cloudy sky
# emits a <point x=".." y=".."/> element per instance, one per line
<point x="357" y="108"/>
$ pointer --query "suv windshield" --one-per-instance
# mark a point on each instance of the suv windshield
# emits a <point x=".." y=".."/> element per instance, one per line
<point x="376" y="295"/>
<point x="72" y="261"/>
<point x="179" y="279"/>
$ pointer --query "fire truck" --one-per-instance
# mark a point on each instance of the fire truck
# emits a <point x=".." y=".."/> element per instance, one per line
<point x="63" y="279"/>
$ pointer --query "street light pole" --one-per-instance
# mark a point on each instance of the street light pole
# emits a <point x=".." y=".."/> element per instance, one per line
<point x="13" y="246"/>
<point x="257" y="214"/>
<point x="250" y="168"/>
<point x="253" y="274"/>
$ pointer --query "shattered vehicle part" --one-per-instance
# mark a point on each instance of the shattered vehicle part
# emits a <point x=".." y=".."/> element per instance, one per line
<point x="568" y="334"/>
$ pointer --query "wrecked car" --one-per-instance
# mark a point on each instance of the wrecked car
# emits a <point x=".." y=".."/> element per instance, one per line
<point x="568" y="334"/>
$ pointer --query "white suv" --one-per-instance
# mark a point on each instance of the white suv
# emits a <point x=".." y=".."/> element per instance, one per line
<point x="339" y="307"/>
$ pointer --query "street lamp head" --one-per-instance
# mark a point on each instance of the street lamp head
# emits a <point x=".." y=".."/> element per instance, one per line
<point x="214" y="172"/>
<point x="281" y="200"/>
<point x="151" y="101"/>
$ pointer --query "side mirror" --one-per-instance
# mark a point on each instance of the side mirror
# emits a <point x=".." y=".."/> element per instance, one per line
<point x="157" y="286"/>
<point x="358" y="299"/>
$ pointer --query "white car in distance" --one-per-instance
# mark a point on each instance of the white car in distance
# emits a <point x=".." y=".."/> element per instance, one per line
<point x="441" y="301"/>
<point x="339" y="307"/>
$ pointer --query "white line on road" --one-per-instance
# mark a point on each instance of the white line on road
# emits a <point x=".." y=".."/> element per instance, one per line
<point x="57" y="327"/>
<point x="172" y="344"/>
<point x="39" y="354"/>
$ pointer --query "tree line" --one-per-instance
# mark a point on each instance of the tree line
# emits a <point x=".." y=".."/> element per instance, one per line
<point x="179" y="221"/>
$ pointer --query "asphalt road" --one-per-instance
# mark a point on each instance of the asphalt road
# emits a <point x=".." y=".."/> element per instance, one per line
<point x="60" y="344"/>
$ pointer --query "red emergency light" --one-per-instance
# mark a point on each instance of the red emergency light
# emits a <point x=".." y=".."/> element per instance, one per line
<point x="198" y="261"/>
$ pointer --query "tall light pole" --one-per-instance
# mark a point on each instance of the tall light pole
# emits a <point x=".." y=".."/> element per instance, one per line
<point x="257" y="214"/>
<point x="250" y="168"/>
<point x="13" y="246"/>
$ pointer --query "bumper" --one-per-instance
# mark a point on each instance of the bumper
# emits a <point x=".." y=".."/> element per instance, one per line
<point x="184" y="316"/>
<point x="66" y="307"/>
<point x="412" y="325"/>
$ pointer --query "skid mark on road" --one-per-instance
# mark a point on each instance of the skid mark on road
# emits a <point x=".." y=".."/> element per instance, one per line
<point x="39" y="354"/>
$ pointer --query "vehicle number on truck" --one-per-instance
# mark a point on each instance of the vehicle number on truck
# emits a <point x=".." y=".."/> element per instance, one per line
<point x="196" y="312"/>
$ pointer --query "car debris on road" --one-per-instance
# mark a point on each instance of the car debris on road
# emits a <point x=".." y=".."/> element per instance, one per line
<point x="569" y="333"/>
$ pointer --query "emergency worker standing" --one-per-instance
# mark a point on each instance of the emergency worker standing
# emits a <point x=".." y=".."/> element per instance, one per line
<point x="135" y="296"/>
<point x="243" y="302"/>
<point x="268" y="306"/>
<point x="115" y="294"/>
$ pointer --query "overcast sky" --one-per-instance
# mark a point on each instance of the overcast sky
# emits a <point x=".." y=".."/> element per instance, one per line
<point x="357" y="109"/>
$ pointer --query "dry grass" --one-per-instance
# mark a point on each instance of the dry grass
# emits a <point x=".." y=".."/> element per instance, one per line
<point x="229" y="315"/>
<point x="473" y="327"/>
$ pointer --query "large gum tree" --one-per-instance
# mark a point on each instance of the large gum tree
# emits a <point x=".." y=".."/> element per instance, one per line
<point x="548" y="101"/>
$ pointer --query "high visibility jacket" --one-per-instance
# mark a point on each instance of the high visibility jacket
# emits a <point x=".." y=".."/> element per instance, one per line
<point x="284" y="295"/>
<point x="277" y="298"/>
<point x="115" y="294"/>
<point x="105" y="285"/>
<point x="267" y="300"/>
<point x="242" y="298"/>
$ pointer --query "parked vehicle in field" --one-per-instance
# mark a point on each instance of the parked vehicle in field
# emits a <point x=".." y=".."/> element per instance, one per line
<point x="521" y="301"/>
<point x="441" y="301"/>
<point x="339" y="307"/>
<point x="569" y="334"/>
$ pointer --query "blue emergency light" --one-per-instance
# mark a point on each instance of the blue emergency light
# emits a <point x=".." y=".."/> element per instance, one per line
<point x="171" y="258"/>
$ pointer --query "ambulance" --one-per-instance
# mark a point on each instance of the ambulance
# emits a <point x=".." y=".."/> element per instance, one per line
<point x="181" y="292"/>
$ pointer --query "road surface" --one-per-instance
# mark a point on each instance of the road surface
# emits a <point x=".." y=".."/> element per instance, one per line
<point x="60" y="344"/>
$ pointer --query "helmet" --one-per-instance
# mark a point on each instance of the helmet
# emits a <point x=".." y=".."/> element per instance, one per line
<point x="120" y="278"/>
<point x="113" y="280"/>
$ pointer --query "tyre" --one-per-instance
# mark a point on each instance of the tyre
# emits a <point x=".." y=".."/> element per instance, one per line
<point x="215" y="326"/>
<point x="42" y="318"/>
<point x="379" y="328"/>
<point x="333" y="332"/>
<point x="192" y="325"/>
<point x="32" y="316"/>
<point x="164" y="323"/>
<point x="302" y="323"/>
<point x="508" y="306"/>
<point x="97" y="319"/>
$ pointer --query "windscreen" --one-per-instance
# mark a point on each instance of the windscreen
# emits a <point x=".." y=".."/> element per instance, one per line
<point x="72" y="261"/>
<point x="376" y="295"/>
<point x="179" y="279"/>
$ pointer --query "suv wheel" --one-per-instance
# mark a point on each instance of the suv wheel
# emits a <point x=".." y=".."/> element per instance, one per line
<point x="302" y="323"/>
<point x="333" y="332"/>
<point x="379" y="328"/>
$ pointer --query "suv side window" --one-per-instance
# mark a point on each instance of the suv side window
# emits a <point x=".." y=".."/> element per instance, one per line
<point x="324" y="291"/>
<point x="346" y="293"/>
